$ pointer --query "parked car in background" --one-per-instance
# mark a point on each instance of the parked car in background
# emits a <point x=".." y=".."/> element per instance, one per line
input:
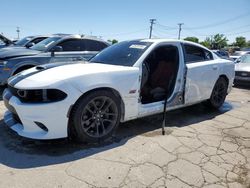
<point x="128" y="80"/>
<point x="18" y="51"/>
<point x="238" y="54"/>
<point x="245" y="49"/>
<point x="4" y="41"/>
<point x="30" y="40"/>
<point x="242" y="70"/>
<point x="59" y="48"/>
<point x="26" y="42"/>
<point x="222" y="54"/>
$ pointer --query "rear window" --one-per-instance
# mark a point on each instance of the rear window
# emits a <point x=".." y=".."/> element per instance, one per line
<point x="92" y="45"/>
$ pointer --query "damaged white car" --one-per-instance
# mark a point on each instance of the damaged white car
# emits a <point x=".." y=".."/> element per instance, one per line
<point x="129" y="80"/>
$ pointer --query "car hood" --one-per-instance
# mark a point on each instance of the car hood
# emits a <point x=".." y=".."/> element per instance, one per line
<point x="242" y="67"/>
<point x="11" y="52"/>
<point x="47" y="75"/>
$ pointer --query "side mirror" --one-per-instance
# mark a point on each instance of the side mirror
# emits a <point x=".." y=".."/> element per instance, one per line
<point x="55" y="49"/>
<point x="30" y="45"/>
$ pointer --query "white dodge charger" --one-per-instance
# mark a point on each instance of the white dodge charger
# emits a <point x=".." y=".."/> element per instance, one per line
<point x="129" y="80"/>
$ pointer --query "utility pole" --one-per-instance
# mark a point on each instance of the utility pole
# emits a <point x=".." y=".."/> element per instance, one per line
<point x="18" y="31"/>
<point x="152" y="22"/>
<point x="179" y="35"/>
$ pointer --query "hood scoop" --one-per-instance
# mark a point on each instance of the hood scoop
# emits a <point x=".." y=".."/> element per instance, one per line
<point x="40" y="68"/>
<point x="53" y="65"/>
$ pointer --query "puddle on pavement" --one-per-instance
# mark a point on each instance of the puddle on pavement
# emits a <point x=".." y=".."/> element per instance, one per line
<point x="230" y="105"/>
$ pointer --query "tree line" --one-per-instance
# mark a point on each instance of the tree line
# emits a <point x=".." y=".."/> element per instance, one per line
<point x="220" y="41"/>
<point x="217" y="41"/>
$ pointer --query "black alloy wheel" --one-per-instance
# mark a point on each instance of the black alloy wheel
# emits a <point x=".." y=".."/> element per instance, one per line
<point x="219" y="93"/>
<point x="96" y="116"/>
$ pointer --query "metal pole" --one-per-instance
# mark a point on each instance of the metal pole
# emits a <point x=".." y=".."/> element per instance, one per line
<point x="152" y="22"/>
<point x="179" y="34"/>
<point x="18" y="31"/>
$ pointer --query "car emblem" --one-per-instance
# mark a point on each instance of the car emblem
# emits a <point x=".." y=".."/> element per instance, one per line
<point x="243" y="74"/>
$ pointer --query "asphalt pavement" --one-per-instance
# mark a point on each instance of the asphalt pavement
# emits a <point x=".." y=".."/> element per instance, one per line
<point x="201" y="148"/>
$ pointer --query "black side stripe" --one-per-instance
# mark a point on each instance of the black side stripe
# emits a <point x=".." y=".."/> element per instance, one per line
<point x="17" y="78"/>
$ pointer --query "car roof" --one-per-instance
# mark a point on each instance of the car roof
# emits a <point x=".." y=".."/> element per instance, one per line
<point x="95" y="38"/>
<point x="160" y="40"/>
<point x="68" y="36"/>
<point x="76" y="36"/>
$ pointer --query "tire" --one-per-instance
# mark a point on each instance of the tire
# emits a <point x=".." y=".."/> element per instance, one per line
<point x="218" y="94"/>
<point x="95" y="117"/>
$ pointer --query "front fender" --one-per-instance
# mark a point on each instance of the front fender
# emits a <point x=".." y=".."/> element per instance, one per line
<point x="126" y="84"/>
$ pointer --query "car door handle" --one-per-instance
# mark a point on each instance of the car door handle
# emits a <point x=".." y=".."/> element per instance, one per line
<point x="215" y="67"/>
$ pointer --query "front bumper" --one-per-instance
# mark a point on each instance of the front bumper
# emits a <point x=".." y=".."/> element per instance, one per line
<point x="23" y="118"/>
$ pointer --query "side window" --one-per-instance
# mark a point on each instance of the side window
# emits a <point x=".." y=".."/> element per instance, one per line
<point x="196" y="54"/>
<point x="72" y="45"/>
<point x="92" y="45"/>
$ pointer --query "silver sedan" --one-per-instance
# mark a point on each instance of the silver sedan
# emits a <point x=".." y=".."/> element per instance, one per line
<point x="242" y="70"/>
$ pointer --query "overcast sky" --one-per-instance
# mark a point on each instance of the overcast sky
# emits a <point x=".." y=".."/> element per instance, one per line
<point x="126" y="19"/>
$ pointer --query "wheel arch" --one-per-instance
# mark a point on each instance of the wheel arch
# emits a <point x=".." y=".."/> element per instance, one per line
<point x="225" y="77"/>
<point x="69" y="114"/>
<point x="22" y="66"/>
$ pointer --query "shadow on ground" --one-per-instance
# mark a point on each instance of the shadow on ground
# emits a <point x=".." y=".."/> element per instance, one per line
<point x="21" y="153"/>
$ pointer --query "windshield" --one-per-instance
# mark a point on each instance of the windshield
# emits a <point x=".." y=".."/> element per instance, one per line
<point x="45" y="44"/>
<point x="23" y="41"/>
<point x="124" y="53"/>
<point x="245" y="59"/>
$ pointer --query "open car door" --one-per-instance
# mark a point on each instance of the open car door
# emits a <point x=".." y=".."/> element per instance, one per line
<point x="5" y="40"/>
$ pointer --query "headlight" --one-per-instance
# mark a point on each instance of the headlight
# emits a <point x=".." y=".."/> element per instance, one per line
<point x="3" y="62"/>
<point x="39" y="95"/>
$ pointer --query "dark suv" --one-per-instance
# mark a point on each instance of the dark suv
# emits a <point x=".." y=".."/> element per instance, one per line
<point x="66" y="48"/>
<point x="25" y="42"/>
